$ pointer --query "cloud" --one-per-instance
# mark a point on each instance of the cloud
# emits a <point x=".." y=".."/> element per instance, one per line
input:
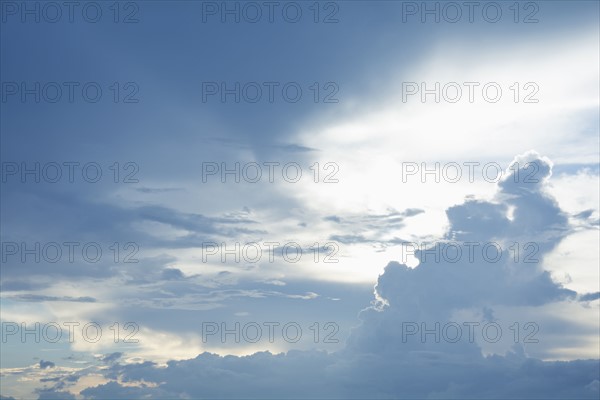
<point x="51" y="394"/>
<point x="589" y="296"/>
<point x="375" y="229"/>
<point x="157" y="190"/>
<point x="40" y="298"/>
<point x="172" y="274"/>
<point x="112" y="357"/>
<point x="380" y="359"/>
<point x="46" y="364"/>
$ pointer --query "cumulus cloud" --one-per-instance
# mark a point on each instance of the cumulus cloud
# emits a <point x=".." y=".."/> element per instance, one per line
<point x="387" y="355"/>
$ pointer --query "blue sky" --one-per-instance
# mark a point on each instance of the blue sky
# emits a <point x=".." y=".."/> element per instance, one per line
<point x="393" y="104"/>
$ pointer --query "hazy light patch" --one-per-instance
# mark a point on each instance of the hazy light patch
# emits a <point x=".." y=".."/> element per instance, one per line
<point x="573" y="264"/>
<point x="510" y="213"/>
<point x="576" y="192"/>
<point x="582" y="341"/>
<point x="558" y="331"/>
<point x="367" y="145"/>
<point x="152" y="345"/>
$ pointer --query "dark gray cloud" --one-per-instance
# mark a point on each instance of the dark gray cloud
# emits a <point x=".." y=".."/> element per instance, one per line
<point x="46" y="364"/>
<point x="590" y="296"/>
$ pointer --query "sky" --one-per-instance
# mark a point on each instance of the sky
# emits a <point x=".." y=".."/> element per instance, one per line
<point x="307" y="199"/>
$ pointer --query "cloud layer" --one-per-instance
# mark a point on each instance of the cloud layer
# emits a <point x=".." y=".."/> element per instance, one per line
<point x="396" y="352"/>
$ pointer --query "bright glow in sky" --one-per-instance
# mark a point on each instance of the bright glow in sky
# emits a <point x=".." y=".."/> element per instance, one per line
<point x="199" y="290"/>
